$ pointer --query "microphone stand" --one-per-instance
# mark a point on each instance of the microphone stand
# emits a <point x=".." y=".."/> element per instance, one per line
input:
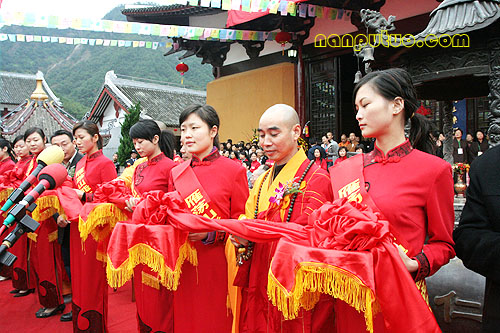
<point x="24" y="225"/>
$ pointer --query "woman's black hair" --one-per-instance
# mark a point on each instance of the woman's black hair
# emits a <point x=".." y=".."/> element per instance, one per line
<point x="360" y="146"/>
<point x="236" y="154"/>
<point x="206" y="113"/>
<point x="17" y="138"/>
<point x="5" y="143"/>
<point x="91" y="128"/>
<point x="322" y="153"/>
<point x="32" y="130"/>
<point x="342" y="148"/>
<point x="147" y="129"/>
<point x="396" y="82"/>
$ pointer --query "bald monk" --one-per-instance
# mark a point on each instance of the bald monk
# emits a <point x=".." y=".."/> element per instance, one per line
<point x="279" y="130"/>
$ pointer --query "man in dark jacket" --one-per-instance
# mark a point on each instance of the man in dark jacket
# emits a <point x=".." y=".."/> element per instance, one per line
<point x="477" y="238"/>
<point x="64" y="139"/>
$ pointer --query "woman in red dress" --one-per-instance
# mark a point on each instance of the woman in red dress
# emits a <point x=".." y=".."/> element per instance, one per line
<point x="23" y="279"/>
<point x="213" y="186"/>
<point x="88" y="273"/>
<point x="6" y="157"/>
<point x="319" y="160"/>
<point x="154" y="306"/>
<point x="410" y="187"/>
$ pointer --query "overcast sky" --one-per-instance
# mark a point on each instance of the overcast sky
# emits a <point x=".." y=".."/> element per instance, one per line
<point x="94" y="9"/>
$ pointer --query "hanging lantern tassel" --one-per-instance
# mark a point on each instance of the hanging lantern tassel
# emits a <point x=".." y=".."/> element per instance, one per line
<point x="182" y="68"/>
<point x="282" y="38"/>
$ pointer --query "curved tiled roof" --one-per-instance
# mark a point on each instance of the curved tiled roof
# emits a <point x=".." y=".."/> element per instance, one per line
<point x="461" y="16"/>
<point x="15" y="88"/>
<point x="158" y="101"/>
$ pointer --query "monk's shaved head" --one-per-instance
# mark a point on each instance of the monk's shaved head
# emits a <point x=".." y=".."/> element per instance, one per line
<point x="282" y="113"/>
<point x="279" y="130"/>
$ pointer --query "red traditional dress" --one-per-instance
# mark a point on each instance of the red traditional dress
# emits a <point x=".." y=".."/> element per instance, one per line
<point x="153" y="301"/>
<point x="320" y="163"/>
<point x="45" y="253"/>
<point x="200" y="302"/>
<point x="257" y="313"/>
<point x="254" y="166"/>
<point x="88" y="274"/>
<point x="6" y="165"/>
<point x="414" y="191"/>
<point x="23" y="277"/>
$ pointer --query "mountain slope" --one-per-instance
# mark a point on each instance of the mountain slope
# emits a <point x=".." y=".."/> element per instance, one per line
<point x="76" y="72"/>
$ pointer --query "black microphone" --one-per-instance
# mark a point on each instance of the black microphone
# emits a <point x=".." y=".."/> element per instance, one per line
<point x="50" y="155"/>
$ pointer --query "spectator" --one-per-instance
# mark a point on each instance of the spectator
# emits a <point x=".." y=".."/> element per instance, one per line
<point x="314" y="144"/>
<point x="478" y="147"/>
<point x="116" y="163"/>
<point x="246" y="164"/>
<point x="132" y="159"/>
<point x="478" y="234"/>
<point x="439" y="145"/>
<point x="318" y="160"/>
<point x="226" y="153"/>
<point x="332" y="148"/>
<point x="234" y="155"/>
<point x="261" y="157"/>
<point x="459" y="148"/>
<point x="360" y="148"/>
<point x="342" y="155"/>
<point x="254" y="163"/>
<point x="184" y="154"/>
<point x="343" y="140"/>
<point x="351" y="145"/>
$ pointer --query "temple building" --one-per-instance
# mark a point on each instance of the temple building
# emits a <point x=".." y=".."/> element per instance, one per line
<point x="157" y="100"/>
<point x="315" y="71"/>
<point x="27" y="101"/>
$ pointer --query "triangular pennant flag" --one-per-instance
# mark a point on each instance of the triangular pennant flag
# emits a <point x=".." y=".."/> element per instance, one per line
<point x="231" y="34"/>
<point x="12" y="37"/>
<point x="54" y="39"/>
<point x="3" y="37"/>
<point x="99" y="41"/>
<point x="135" y="43"/>
<point x="226" y="4"/>
<point x="215" y="4"/>
<point x="142" y="43"/>
<point x="106" y="42"/>
<point x="205" y="3"/>
<point x="29" y="38"/>
<point x="76" y="41"/>
<point x="84" y="41"/>
<point x="91" y="41"/>
<point x="45" y="39"/>
<point x="155" y="30"/>
<point x="340" y="13"/>
<point x="121" y="43"/>
<point x="155" y="45"/>
<point x="128" y="43"/>
<point x="245" y="5"/>
<point x="149" y="45"/>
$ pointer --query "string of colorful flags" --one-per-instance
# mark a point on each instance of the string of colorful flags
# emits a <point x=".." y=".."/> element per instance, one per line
<point x="285" y="7"/>
<point x="186" y="32"/>
<point x="83" y="41"/>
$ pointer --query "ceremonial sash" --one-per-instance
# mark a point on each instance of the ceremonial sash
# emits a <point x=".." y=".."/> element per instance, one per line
<point x="348" y="181"/>
<point x="80" y="178"/>
<point x="193" y="194"/>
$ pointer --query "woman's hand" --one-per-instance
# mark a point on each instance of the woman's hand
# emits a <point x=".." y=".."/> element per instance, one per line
<point x="238" y="241"/>
<point x="197" y="236"/>
<point x="411" y="264"/>
<point x="61" y="221"/>
<point x="131" y="203"/>
<point x="79" y="193"/>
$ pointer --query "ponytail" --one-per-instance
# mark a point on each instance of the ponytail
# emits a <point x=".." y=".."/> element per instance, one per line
<point x="4" y="143"/>
<point x="420" y="133"/>
<point x="166" y="143"/>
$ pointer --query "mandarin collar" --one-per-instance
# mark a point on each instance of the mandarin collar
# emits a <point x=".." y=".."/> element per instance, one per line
<point x="393" y="156"/>
<point x="207" y="160"/>
<point x="156" y="159"/>
<point x="94" y="155"/>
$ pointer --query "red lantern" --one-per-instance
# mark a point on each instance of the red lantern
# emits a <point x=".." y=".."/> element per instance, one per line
<point x="182" y="68"/>
<point x="282" y="38"/>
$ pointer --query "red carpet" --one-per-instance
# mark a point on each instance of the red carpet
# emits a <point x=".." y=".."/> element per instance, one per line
<point x="17" y="314"/>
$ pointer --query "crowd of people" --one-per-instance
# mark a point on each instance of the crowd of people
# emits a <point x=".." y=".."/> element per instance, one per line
<point x="417" y="204"/>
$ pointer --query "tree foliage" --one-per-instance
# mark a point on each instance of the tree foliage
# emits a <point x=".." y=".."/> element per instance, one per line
<point x="126" y="144"/>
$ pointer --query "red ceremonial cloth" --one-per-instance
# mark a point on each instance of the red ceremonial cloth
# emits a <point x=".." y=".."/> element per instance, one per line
<point x="372" y="265"/>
